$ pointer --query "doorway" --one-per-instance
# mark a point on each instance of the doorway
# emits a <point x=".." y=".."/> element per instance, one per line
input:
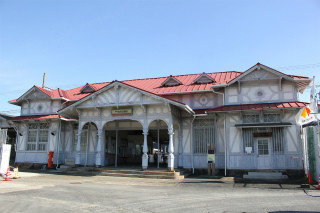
<point x="263" y="153"/>
<point x="123" y="147"/>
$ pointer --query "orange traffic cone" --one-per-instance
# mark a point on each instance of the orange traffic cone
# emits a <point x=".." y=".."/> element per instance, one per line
<point x="310" y="179"/>
<point x="8" y="175"/>
<point x="319" y="182"/>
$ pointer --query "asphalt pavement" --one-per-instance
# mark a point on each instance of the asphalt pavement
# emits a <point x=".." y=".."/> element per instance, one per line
<point x="56" y="192"/>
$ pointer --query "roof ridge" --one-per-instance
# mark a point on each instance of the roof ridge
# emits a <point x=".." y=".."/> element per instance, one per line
<point x="165" y="77"/>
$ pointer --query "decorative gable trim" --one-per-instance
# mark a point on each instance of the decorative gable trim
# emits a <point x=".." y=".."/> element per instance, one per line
<point x="204" y="79"/>
<point x="171" y="81"/>
<point x="116" y="84"/>
<point x="259" y="66"/>
<point x="301" y="84"/>
<point x="87" y="89"/>
<point x="33" y="89"/>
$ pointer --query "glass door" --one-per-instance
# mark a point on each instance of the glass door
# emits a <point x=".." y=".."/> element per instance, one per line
<point x="263" y="153"/>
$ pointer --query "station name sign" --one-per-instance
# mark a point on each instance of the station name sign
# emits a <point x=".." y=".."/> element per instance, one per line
<point x="121" y="112"/>
<point x="262" y="134"/>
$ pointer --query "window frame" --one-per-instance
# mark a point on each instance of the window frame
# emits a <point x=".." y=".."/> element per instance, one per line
<point x="266" y="117"/>
<point x="249" y="121"/>
<point x="203" y="136"/>
<point x="40" y="137"/>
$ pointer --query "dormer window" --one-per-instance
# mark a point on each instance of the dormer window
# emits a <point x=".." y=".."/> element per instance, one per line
<point x="171" y="81"/>
<point x="87" y="89"/>
<point x="204" y="79"/>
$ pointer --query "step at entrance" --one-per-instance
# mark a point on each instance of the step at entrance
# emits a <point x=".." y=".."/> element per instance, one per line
<point x="155" y="174"/>
<point x="265" y="175"/>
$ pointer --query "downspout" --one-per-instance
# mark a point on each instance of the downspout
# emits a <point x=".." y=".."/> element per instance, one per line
<point x="220" y="93"/>
<point x="225" y="144"/>
<point x="58" y="143"/>
<point x="191" y="144"/>
<point x="225" y="134"/>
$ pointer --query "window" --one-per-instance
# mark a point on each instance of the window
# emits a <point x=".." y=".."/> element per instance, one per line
<point x="277" y="140"/>
<point x="37" y="137"/>
<point x="271" y="118"/>
<point x="203" y="134"/>
<point x="263" y="147"/>
<point x="253" y="118"/>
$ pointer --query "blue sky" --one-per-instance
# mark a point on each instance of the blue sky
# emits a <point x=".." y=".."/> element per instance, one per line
<point x="80" y="41"/>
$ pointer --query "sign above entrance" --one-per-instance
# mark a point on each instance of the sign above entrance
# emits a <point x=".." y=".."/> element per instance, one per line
<point x="121" y="112"/>
<point x="262" y="134"/>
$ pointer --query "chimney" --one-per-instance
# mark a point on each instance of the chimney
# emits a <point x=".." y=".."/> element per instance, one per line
<point x="44" y="80"/>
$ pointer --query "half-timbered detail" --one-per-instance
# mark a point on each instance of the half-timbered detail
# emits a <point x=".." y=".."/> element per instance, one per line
<point x="248" y="117"/>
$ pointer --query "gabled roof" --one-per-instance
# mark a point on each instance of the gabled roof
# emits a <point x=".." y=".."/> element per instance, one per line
<point x="44" y="91"/>
<point x="114" y="83"/>
<point x="301" y="81"/>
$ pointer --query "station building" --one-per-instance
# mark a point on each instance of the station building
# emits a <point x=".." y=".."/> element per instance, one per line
<point x="248" y="117"/>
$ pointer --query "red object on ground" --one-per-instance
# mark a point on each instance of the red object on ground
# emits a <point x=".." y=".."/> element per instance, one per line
<point x="319" y="182"/>
<point x="8" y="175"/>
<point x="310" y="182"/>
<point x="50" y="162"/>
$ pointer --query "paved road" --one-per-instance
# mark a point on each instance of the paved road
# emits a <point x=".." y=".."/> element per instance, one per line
<point x="66" y="193"/>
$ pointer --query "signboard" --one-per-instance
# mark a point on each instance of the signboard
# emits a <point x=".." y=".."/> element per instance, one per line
<point x="248" y="150"/>
<point x="262" y="134"/>
<point x="5" y="151"/>
<point x="121" y="112"/>
<point x="211" y="156"/>
<point x="306" y="115"/>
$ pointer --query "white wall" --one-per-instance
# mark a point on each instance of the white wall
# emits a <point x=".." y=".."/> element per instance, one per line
<point x="261" y="87"/>
<point x="203" y="100"/>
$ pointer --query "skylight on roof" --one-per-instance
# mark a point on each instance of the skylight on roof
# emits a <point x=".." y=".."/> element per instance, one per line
<point x="203" y="79"/>
<point x="171" y="81"/>
<point x="87" y="89"/>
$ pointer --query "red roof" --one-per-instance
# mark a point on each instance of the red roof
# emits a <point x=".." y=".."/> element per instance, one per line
<point x="154" y="85"/>
<point x="258" y="106"/>
<point x="38" y="117"/>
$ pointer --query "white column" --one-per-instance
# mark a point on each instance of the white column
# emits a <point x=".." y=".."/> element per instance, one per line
<point x="98" y="153"/>
<point x="145" y="150"/>
<point x="77" y="160"/>
<point x="170" y="150"/>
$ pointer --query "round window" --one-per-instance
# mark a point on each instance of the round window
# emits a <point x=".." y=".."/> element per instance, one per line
<point x="40" y="108"/>
<point x="203" y="100"/>
<point x="259" y="93"/>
